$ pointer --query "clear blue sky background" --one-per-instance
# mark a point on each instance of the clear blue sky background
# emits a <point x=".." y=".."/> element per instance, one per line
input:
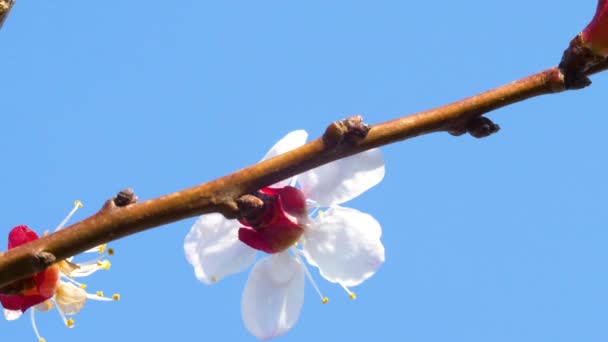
<point x="500" y="239"/>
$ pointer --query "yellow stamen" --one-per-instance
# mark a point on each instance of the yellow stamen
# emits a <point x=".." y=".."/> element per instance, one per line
<point x="70" y="322"/>
<point x="78" y="204"/>
<point x="101" y="248"/>
<point x="325" y="300"/>
<point x="99" y="293"/>
<point x="41" y="340"/>
<point x="104" y="264"/>
<point x="116" y="296"/>
<point x="82" y="286"/>
<point x="351" y="294"/>
<point x="110" y="251"/>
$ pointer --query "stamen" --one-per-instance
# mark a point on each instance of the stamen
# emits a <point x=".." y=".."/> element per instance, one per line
<point x="351" y="294"/>
<point x="293" y="182"/>
<point x="63" y="318"/>
<point x="102" y="248"/>
<point x="70" y="279"/>
<point x="116" y="297"/>
<point x="77" y="205"/>
<point x="296" y="252"/>
<point x="110" y="251"/>
<point x="33" y="319"/>
<point x="99" y="297"/>
<point x="313" y="211"/>
<point x="104" y="264"/>
<point x="70" y="323"/>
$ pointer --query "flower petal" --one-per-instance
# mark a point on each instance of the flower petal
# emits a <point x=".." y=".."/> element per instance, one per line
<point x="344" y="179"/>
<point x="213" y="248"/>
<point x="12" y="315"/>
<point x="345" y="245"/>
<point x="273" y="295"/>
<point x="69" y="298"/>
<point x="289" y="142"/>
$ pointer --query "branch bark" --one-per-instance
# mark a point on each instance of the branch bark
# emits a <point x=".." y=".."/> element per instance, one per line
<point x="113" y="221"/>
<point x="5" y="8"/>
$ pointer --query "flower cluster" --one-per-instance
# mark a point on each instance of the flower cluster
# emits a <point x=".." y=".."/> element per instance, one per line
<point x="55" y="286"/>
<point x="296" y="223"/>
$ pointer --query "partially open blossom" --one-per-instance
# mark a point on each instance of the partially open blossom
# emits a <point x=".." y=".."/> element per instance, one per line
<point x="295" y="223"/>
<point x="56" y="285"/>
<point x="595" y="35"/>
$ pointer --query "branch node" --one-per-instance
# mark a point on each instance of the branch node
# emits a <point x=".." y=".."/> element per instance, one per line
<point x="351" y="130"/>
<point x="478" y="127"/>
<point x="481" y="127"/>
<point x="43" y="260"/>
<point x="250" y="206"/>
<point x="576" y="62"/>
<point x="125" y="197"/>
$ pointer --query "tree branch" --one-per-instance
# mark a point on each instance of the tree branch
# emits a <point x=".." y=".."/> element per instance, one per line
<point x="121" y="217"/>
<point x="5" y="8"/>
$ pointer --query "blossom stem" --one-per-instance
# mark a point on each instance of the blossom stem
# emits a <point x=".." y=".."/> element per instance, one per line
<point x="113" y="221"/>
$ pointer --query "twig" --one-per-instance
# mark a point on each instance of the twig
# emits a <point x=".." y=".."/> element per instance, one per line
<point x="5" y="8"/>
<point x="341" y="139"/>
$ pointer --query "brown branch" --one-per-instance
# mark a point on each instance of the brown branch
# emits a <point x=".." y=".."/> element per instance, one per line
<point x="340" y="140"/>
<point x="5" y="8"/>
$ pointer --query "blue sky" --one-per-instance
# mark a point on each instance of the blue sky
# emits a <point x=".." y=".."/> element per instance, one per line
<point x="499" y="239"/>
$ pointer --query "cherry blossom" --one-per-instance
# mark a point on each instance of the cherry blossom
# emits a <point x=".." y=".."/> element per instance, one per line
<point x="305" y="222"/>
<point x="56" y="285"/>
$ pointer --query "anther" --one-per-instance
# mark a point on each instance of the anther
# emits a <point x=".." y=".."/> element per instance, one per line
<point x="110" y="251"/>
<point x="82" y="286"/>
<point x="78" y="204"/>
<point x="351" y="294"/>
<point x="104" y="264"/>
<point x="99" y="293"/>
<point x="116" y="296"/>
<point x="324" y="300"/>
<point x="102" y="248"/>
<point x="69" y="323"/>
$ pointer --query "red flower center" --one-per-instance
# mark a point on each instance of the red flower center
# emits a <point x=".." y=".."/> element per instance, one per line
<point x="280" y="224"/>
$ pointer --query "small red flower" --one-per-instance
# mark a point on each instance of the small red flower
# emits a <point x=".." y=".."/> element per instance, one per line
<point x="35" y="289"/>
<point x="280" y="225"/>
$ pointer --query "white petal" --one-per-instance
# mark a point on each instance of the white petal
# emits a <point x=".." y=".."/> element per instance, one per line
<point x="273" y="296"/>
<point x="289" y="142"/>
<point x="345" y="244"/>
<point x="12" y="315"/>
<point x="344" y="179"/>
<point x="214" y="250"/>
<point x="69" y="298"/>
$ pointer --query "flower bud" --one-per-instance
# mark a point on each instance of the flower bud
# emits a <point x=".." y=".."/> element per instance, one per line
<point x="595" y="35"/>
